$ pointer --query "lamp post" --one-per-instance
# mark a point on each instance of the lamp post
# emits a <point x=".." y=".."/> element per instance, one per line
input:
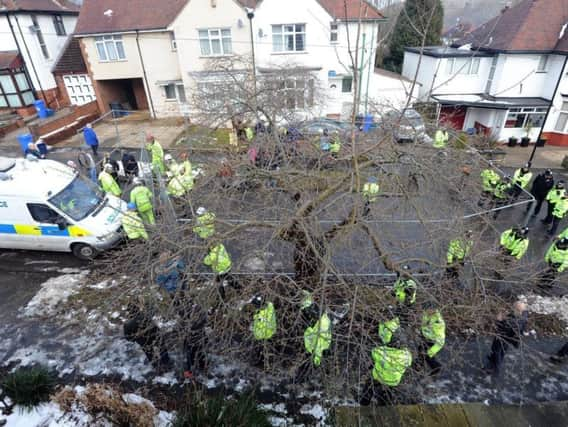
<point x="250" y="16"/>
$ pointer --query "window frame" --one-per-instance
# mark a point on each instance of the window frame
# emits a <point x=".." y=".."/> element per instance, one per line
<point x="343" y="84"/>
<point x="298" y="93"/>
<point x="334" y="33"/>
<point x="173" y="42"/>
<point x="115" y="40"/>
<point x="59" y="25"/>
<point x="470" y="68"/>
<point x="282" y="33"/>
<point x="542" y="66"/>
<point x="18" y="91"/>
<point x="562" y="115"/>
<point x="527" y="114"/>
<point x="56" y="219"/>
<point x="220" y="38"/>
<point x="39" y="37"/>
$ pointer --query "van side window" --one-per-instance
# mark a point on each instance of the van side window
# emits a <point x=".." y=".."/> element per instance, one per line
<point x="43" y="213"/>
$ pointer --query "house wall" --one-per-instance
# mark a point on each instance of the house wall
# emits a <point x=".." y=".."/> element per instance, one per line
<point x="426" y="72"/>
<point x="53" y="42"/>
<point x="554" y="136"/>
<point x="160" y="62"/>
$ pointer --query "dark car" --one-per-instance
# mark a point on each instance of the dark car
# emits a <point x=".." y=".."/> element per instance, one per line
<point x="316" y="127"/>
<point x="407" y="126"/>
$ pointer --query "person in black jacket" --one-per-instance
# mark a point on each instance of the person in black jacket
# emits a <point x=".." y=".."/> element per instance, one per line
<point x="194" y="322"/>
<point x="542" y="184"/>
<point x="561" y="355"/>
<point x="508" y="333"/>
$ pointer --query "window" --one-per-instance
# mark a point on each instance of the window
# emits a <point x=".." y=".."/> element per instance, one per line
<point x="43" y="214"/>
<point x="215" y="41"/>
<point x="346" y="84"/>
<point x="462" y="65"/>
<point x="15" y="89"/>
<point x="58" y="24"/>
<point x="78" y="199"/>
<point x="542" y="64"/>
<point x="170" y="91"/>
<point x="40" y="38"/>
<point x="289" y="38"/>
<point x="298" y="93"/>
<point x="110" y="48"/>
<point x="525" y="117"/>
<point x="334" y="32"/>
<point x="562" y="118"/>
<point x="175" y="92"/>
<point x="173" y="42"/>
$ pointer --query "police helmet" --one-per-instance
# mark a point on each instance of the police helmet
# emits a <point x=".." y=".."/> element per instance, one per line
<point x="201" y="210"/>
<point x="562" y="243"/>
<point x="109" y="168"/>
<point x="137" y="181"/>
<point x="168" y="158"/>
<point x="560" y="185"/>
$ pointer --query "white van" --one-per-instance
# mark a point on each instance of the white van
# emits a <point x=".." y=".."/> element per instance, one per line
<point x="45" y="205"/>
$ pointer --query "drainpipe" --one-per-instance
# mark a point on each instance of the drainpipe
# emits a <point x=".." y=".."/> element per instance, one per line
<point x="371" y="66"/>
<point x="31" y="61"/>
<point x="26" y="71"/>
<point x="145" y="75"/>
<point x="549" y="107"/>
<point x="360" y="71"/>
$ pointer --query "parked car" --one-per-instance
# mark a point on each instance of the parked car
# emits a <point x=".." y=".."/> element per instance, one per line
<point x="316" y="127"/>
<point x="407" y="126"/>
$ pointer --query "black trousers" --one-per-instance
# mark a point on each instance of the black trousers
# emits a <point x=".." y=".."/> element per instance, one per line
<point x="95" y="149"/>
<point x="550" y="208"/>
<point x="538" y="205"/>
<point x="498" y="349"/>
<point x="563" y="352"/>
<point x="432" y="362"/>
<point x="555" y="223"/>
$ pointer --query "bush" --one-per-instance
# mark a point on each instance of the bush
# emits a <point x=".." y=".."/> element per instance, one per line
<point x="28" y="387"/>
<point x="216" y="411"/>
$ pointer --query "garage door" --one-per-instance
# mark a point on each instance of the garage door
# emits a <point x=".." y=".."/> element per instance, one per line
<point x="79" y="88"/>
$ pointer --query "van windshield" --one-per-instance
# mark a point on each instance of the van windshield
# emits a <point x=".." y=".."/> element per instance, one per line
<point x="78" y="199"/>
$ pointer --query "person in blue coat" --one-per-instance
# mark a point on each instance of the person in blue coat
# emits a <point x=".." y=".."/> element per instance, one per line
<point x="91" y="139"/>
<point x="169" y="272"/>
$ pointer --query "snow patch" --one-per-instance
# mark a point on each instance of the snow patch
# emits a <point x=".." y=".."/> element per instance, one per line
<point x="317" y="411"/>
<point x="548" y="305"/>
<point x="169" y="378"/>
<point x="53" y="292"/>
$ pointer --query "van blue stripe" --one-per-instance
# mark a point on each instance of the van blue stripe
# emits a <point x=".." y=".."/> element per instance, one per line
<point x="53" y="231"/>
<point x="7" y="229"/>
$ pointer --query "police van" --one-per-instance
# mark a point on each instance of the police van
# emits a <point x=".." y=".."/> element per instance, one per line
<point x="48" y="206"/>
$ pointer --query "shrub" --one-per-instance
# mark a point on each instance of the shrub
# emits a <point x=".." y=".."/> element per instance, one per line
<point x="216" y="411"/>
<point x="28" y="387"/>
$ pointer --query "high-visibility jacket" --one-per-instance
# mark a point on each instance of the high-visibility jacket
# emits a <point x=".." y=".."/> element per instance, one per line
<point x="388" y="329"/>
<point x="335" y="145"/>
<point x="175" y="187"/>
<point x="133" y="226"/>
<point x="522" y="180"/>
<point x="515" y="245"/>
<point x="307" y="300"/>
<point x="187" y="180"/>
<point x="370" y="191"/>
<point x="557" y="257"/>
<point x="560" y="208"/>
<point x="564" y="234"/>
<point x="458" y="250"/>
<point x="173" y="168"/>
<point x="141" y="196"/>
<point x="500" y="190"/>
<point x="218" y="259"/>
<point x="317" y="338"/>
<point x="434" y="330"/>
<point x="249" y="133"/>
<point x="405" y="291"/>
<point x="108" y="184"/>
<point x="205" y="225"/>
<point x="489" y="180"/>
<point x="390" y="364"/>
<point x="264" y="323"/>
<point x="157" y="154"/>
<point x="441" y="138"/>
<point x="555" y="195"/>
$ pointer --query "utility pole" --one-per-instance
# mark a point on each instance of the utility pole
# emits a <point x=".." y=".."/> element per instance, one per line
<point x="250" y="16"/>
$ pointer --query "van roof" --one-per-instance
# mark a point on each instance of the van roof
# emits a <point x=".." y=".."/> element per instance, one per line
<point x="40" y="179"/>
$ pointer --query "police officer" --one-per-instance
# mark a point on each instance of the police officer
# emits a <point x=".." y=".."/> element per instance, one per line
<point x="557" y="260"/>
<point x="219" y="260"/>
<point x="558" y="213"/>
<point x="141" y="196"/>
<point x="204" y="223"/>
<point x="458" y="250"/>
<point x="489" y="181"/>
<point x="434" y="337"/>
<point x="264" y="326"/>
<point x="404" y="292"/>
<point x="370" y="192"/>
<point x="388" y="329"/>
<point x="108" y="183"/>
<point x="132" y="224"/>
<point x="514" y="242"/>
<point x="521" y="179"/>
<point x="335" y="145"/>
<point x="317" y="338"/>
<point x="156" y="152"/>
<point x="441" y="138"/>
<point x="553" y="197"/>
<point x="541" y="185"/>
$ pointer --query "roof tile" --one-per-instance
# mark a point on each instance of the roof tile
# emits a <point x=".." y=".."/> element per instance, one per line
<point x="61" y="6"/>
<point x="71" y="59"/>
<point x="9" y="59"/>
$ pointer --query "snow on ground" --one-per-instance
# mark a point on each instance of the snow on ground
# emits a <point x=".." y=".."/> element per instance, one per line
<point x="55" y="291"/>
<point x="548" y="305"/>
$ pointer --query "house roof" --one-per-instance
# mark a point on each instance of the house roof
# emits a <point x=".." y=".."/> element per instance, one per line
<point x="51" y="6"/>
<point x="530" y="26"/>
<point x="71" y="58"/>
<point x="448" y="52"/>
<point x="392" y="75"/>
<point x="336" y="8"/>
<point x="9" y="59"/>
<point x="108" y="16"/>
<point x="483" y="100"/>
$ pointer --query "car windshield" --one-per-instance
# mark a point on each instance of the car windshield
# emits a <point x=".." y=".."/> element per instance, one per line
<point x="78" y="199"/>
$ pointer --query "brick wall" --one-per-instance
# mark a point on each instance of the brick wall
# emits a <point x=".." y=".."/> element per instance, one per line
<point x="64" y="100"/>
<point x="555" y="138"/>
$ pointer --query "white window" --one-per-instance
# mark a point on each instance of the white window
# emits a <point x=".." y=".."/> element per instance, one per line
<point x="215" y="41"/>
<point x="542" y="64"/>
<point x="462" y="65"/>
<point x="298" y="93"/>
<point x="525" y="117"/>
<point x="334" y="32"/>
<point x="58" y="25"/>
<point x="289" y="38"/>
<point x="110" y="48"/>
<point x="40" y="39"/>
<point x="175" y="92"/>
<point x="562" y="118"/>
<point x="173" y="42"/>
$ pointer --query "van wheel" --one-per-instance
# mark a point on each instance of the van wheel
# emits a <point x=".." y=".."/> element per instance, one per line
<point x="83" y="251"/>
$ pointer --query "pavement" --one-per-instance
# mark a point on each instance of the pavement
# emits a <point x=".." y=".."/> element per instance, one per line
<point x="547" y="157"/>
